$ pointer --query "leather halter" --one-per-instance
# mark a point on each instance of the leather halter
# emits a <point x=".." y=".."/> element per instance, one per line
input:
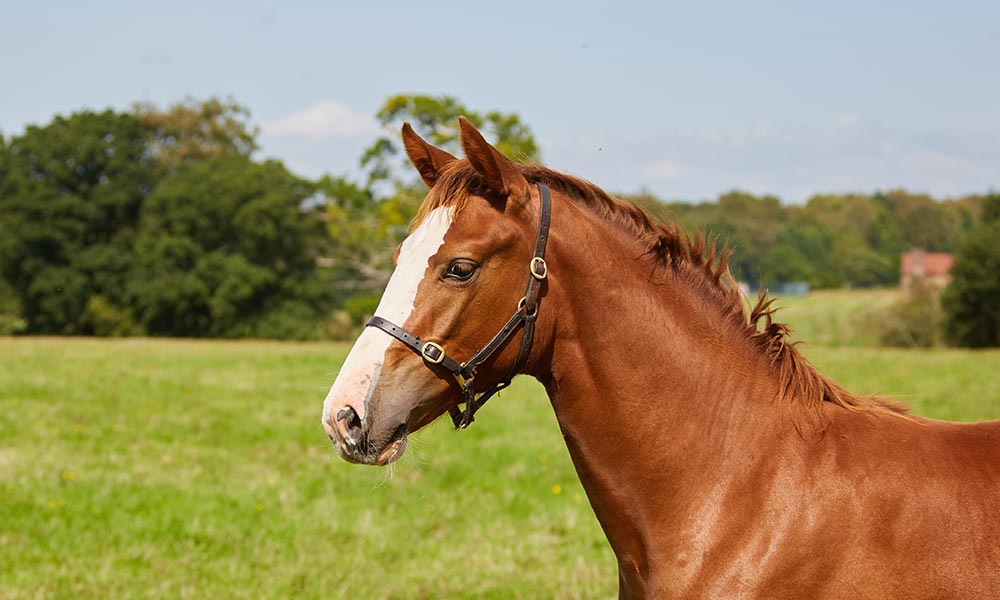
<point x="464" y="373"/>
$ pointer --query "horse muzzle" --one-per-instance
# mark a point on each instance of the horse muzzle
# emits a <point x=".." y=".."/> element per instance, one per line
<point x="355" y="443"/>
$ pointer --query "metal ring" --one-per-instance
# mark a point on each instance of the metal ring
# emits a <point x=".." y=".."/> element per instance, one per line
<point x="430" y="359"/>
<point x="538" y="272"/>
<point x="522" y="303"/>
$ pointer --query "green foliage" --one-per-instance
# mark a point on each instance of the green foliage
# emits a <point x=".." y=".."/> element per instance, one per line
<point x="232" y="250"/>
<point x="10" y="312"/>
<point x="435" y="118"/>
<point x="923" y="223"/>
<point x="751" y="224"/>
<point x="107" y="320"/>
<point x="224" y="247"/>
<point x="991" y="208"/>
<point x="193" y="130"/>
<point x="361" y="308"/>
<point x="363" y="232"/>
<point x="69" y="203"/>
<point x="833" y="240"/>
<point x="914" y="321"/>
<point x="857" y="264"/>
<point x="972" y="299"/>
<point x="801" y="253"/>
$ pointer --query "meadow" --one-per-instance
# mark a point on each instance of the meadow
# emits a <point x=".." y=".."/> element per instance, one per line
<point x="197" y="469"/>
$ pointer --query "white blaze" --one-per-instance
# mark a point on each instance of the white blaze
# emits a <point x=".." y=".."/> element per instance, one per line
<point x="361" y="369"/>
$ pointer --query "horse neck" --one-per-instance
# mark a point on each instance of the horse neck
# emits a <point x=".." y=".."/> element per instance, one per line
<point x="653" y="387"/>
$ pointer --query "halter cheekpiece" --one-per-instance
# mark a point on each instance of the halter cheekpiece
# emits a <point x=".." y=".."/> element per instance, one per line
<point x="434" y="354"/>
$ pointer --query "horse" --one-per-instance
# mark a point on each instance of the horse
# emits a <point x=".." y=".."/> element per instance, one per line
<point x="719" y="462"/>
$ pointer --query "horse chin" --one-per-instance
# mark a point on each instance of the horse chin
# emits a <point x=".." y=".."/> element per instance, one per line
<point x="393" y="450"/>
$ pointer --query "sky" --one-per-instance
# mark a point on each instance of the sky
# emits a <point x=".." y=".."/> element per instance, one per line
<point x="683" y="100"/>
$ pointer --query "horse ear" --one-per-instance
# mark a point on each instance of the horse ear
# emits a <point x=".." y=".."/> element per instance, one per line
<point x="501" y="174"/>
<point x="429" y="160"/>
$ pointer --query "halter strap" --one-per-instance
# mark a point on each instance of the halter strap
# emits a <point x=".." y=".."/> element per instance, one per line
<point x="434" y="354"/>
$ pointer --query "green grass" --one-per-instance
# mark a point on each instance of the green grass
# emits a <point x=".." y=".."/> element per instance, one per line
<point x="180" y="469"/>
<point x="835" y="318"/>
<point x="957" y="385"/>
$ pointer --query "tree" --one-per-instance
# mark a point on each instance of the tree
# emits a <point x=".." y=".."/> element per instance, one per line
<point x="854" y="223"/>
<point x="923" y="222"/>
<point x="192" y="130"/>
<point x="750" y="225"/>
<point x="972" y="300"/>
<point x="363" y="231"/>
<point x="227" y="247"/>
<point x="801" y="253"/>
<point x="70" y="197"/>
<point x="435" y="118"/>
<point x="855" y="263"/>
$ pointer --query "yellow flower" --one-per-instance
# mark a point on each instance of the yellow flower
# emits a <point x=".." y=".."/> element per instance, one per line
<point x="260" y="506"/>
<point x="69" y="475"/>
<point x="557" y="489"/>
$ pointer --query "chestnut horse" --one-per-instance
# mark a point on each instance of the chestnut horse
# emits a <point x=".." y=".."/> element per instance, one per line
<point x="719" y="462"/>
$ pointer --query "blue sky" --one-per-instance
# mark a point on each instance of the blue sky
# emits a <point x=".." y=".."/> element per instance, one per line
<point x="683" y="100"/>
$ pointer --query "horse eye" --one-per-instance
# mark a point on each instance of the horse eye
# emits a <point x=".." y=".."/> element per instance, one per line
<point x="460" y="270"/>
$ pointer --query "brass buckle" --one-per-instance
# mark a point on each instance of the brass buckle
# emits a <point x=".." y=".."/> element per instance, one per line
<point x="431" y="359"/>
<point x="538" y="268"/>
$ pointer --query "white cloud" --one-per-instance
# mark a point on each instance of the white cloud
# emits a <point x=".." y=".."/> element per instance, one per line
<point x="666" y="170"/>
<point x="847" y="120"/>
<point x="326" y="119"/>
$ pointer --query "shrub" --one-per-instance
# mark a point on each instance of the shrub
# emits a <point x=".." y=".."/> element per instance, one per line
<point x="914" y="321"/>
<point x="106" y="319"/>
<point x="10" y="313"/>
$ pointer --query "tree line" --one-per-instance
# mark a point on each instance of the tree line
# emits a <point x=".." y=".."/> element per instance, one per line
<point x="162" y="221"/>
<point x="831" y="241"/>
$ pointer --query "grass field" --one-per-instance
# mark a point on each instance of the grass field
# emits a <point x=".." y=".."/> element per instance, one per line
<point x="836" y="318"/>
<point x="180" y="469"/>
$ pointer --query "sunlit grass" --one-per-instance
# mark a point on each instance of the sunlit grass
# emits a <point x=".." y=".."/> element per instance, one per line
<point x="179" y="469"/>
<point x="199" y="469"/>
<point x="835" y="318"/>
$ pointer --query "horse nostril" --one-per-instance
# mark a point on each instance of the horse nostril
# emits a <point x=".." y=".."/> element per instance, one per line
<point x="352" y="423"/>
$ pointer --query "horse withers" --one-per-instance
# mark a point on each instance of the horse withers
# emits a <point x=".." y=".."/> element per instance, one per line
<point x="718" y="461"/>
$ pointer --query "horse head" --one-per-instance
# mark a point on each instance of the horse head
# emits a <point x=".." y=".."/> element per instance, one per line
<point x="458" y="277"/>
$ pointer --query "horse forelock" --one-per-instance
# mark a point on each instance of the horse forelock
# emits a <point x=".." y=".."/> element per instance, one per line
<point x="699" y="261"/>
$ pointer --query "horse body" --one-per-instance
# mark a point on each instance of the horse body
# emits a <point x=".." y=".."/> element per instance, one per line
<point x="717" y="460"/>
<point x="706" y="487"/>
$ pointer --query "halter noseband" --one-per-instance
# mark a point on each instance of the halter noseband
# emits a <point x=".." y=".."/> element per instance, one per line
<point x="434" y="354"/>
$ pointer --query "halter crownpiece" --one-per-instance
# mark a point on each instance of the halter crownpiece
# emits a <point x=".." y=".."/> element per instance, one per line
<point x="434" y="354"/>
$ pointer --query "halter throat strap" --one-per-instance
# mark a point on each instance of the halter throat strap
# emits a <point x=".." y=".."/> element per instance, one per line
<point x="524" y="317"/>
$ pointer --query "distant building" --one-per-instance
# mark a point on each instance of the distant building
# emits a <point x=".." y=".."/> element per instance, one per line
<point x="933" y="268"/>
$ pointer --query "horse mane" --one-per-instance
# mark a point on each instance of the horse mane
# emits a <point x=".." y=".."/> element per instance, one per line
<point x="699" y="262"/>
